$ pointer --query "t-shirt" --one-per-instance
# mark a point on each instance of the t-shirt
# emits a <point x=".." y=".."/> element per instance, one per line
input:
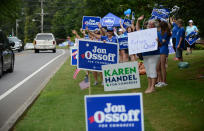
<point x="113" y="39"/>
<point x="180" y="33"/>
<point x="174" y="30"/>
<point x="164" y="48"/>
<point x="86" y="37"/>
<point x="190" y="29"/>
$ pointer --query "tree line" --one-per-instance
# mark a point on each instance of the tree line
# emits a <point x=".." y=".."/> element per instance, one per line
<point x="62" y="16"/>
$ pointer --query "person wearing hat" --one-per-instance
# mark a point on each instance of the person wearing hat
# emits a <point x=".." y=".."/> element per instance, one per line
<point x="123" y="52"/>
<point x="189" y="29"/>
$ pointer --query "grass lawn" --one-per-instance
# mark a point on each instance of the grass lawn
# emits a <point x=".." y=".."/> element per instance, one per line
<point x="177" y="107"/>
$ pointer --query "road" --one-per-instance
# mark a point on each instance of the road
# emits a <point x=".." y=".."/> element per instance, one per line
<point x="19" y="89"/>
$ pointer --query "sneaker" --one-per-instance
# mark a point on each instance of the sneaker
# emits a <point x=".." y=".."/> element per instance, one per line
<point x="95" y="83"/>
<point x="162" y="84"/>
<point x="158" y="84"/>
<point x="86" y="79"/>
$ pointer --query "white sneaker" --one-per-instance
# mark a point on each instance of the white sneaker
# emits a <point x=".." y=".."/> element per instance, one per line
<point x="162" y="84"/>
<point x="158" y="84"/>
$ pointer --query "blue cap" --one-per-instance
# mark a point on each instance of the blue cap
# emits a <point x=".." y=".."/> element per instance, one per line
<point x="109" y="28"/>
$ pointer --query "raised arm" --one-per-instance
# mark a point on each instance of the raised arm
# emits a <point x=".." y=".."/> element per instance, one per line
<point x="133" y="25"/>
<point x="93" y="34"/>
<point x="121" y="26"/>
<point x="76" y="34"/>
<point x="83" y="32"/>
<point x="102" y="31"/>
<point x="138" y="22"/>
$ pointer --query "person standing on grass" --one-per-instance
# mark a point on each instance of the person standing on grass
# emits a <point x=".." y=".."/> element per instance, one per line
<point x="180" y="42"/>
<point x="163" y="40"/>
<point x="151" y="59"/>
<point x="174" y="31"/>
<point x="189" y="29"/>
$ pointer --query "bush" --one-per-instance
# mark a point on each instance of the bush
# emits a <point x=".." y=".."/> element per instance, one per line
<point x="199" y="46"/>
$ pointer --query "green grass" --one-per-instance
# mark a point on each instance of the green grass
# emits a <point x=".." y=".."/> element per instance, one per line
<point x="177" y="107"/>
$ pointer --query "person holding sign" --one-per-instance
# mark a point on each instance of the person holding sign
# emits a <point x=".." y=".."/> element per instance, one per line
<point x="123" y="52"/>
<point x="151" y="59"/>
<point x="163" y="40"/>
<point x="129" y="29"/>
<point x="189" y="29"/>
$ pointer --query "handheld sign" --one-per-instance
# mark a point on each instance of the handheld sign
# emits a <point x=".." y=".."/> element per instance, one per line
<point x="90" y="22"/>
<point x="116" y="112"/>
<point x="142" y="41"/>
<point x="94" y="54"/>
<point x="127" y="23"/>
<point x="73" y="56"/>
<point x="192" y="38"/>
<point x="121" y="76"/>
<point x="123" y="42"/>
<point x="161" y="14"/>
<point x="108" y="21"/>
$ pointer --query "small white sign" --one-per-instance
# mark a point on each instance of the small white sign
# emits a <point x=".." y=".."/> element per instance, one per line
<point x="142" y="41"/>
<point x="121" y="76"/>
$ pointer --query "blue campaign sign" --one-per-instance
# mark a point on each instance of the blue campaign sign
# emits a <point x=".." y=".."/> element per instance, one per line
<point x="93" y="54"/>
<point x="161" y="14"/>
<point x="116" y="112"/>
<point x="74" y="56"/>
<point x="192" y="37"/>
<point x="127" y="23"/>
<point x="90" y="22"/>
<point x="123" y="42"/>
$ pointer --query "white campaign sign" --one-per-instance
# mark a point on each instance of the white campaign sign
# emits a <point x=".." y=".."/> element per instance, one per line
<point x="142" y="41"/>
<point x="121" y="76"/>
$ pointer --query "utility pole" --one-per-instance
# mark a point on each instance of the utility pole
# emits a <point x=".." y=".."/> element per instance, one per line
<point x="42" y="15"/>
<point x="17" y="20"/>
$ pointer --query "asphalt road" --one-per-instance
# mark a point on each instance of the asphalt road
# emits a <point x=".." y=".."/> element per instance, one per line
<point x="18" y="89"/>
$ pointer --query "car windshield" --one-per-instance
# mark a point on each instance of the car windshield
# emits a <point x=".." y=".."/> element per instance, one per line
<point x="44" y="37"/>
<point x="14" y="39"/>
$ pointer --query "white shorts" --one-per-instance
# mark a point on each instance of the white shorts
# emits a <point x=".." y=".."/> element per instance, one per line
<point x="150" y="63"/>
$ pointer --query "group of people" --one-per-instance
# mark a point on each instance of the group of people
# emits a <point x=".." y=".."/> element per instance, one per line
<point x="154" y="61"/>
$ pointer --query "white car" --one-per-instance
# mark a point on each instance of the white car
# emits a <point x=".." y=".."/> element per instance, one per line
<point x="29" y="46"/>
<point x="18" y="43"/>
<point x="44" y="41"/>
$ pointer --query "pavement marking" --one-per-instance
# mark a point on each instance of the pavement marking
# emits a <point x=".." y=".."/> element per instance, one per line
<point x="27" y="78"/>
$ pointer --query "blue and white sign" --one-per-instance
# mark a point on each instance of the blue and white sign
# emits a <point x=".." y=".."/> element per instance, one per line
<point x="74" y="56"/>
<point x="94" y="54"/>
<point x="116" y="112"/>
<point x="90" y="22"/>
<point x="123" y="42"/>
<point x="161" y="14"/>
<point x="108" y="21"/>
<point x="127" y="23"/>
<point x="192" y="38"/>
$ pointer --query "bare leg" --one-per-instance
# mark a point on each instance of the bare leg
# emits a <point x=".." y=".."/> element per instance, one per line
<point x="159" y="71"/>
<point x="163" y="68"/>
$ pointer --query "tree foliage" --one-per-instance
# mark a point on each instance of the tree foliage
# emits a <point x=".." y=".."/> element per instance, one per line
<point x="64" y="15"/>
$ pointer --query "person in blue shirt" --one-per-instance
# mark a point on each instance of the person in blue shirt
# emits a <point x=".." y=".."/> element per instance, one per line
<point x="180" y="42"/>
<point x="163" y="40"/>
<point x="124" y="57"/>
<point x="189" y="29"/>
<point x="174" y="31"/>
